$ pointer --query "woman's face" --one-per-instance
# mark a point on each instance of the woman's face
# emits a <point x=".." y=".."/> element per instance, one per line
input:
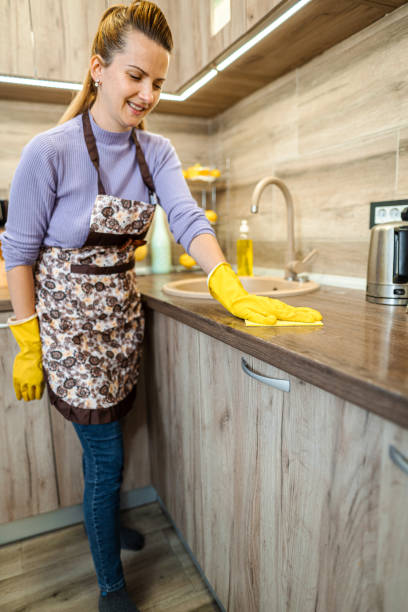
<point x="130" y="86"/>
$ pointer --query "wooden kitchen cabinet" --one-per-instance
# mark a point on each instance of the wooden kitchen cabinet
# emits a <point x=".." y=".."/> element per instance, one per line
<point x="28" y="483"/>
<point x="194" y="46"/>
<point x="16" y="49"/>
<point x="63" y="33"/>
<point x="289" y="501"/>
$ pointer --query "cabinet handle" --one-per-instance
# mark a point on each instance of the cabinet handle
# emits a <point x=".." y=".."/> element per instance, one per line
<point x="4" y="325"/>
<point x="278" y="383"/>
<point x="398" y="458"/>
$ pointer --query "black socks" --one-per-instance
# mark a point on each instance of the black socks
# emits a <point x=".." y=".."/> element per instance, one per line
<point x="130" y="539"/>
<point x="117" y="601"/>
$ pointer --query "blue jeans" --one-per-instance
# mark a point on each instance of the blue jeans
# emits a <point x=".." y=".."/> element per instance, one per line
<point x="103" y="467"/>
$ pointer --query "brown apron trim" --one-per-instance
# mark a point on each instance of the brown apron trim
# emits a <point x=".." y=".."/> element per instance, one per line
<point x="90" y="269"/>
<point x="144" y="169"/>
<point x="104" y="239"/>
<point x="92" y="148"/>
<point x="93" y="154"/>
<point x="98" y="416"/>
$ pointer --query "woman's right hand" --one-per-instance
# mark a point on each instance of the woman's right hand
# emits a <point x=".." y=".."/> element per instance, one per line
<point x="28" y="377"/>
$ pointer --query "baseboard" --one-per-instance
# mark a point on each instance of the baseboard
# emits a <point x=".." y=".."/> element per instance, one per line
<point x="65" y="517"/>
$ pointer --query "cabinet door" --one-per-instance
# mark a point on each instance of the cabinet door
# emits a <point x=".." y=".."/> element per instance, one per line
<point x="27" y="472"/>
<point x="63" y="33"/>
<point x="194" y="46"/>
<point x="204" y="451"/>
<point x="16" y="48"/>
<point x="333" y="527"/>
<point x="172" y="376"/>
<point x="232" y="473"/>
<point x="392" y="543"/>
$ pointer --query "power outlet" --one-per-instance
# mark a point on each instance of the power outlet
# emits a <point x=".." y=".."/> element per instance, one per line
<point x="385" y="212"/>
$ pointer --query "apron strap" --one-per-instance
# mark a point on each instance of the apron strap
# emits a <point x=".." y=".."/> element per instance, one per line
<point x="144" y="169"/>
<point x="92" y="149"/>
<point x="93" y="154"/>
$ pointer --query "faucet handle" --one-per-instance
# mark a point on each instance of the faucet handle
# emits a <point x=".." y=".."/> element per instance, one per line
<point x="299" y="266"/>
<point x="310" y="256"/>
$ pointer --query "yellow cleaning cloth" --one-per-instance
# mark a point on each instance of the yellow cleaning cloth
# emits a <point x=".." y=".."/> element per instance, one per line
<point x="282" y="324"/>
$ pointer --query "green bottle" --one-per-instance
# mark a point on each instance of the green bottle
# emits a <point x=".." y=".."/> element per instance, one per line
<point x="160" y="245"/>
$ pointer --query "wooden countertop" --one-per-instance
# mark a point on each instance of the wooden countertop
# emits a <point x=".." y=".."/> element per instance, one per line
<point x="360" y="354"/>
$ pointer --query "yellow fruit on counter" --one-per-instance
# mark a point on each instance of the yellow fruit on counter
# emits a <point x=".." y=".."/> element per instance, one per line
<point x="211" y="216"/>
<point x="201" y="172"/>
<point x="141" y="252"/>
<point x="187" y="261"/>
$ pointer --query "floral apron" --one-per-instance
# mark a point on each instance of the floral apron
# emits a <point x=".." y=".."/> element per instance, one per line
<point x="89" y="307"/>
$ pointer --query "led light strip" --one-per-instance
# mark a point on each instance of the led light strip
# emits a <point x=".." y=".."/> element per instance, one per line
<point x="184" y="95"/>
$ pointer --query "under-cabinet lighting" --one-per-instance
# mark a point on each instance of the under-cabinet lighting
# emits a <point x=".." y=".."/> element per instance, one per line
<point x="172" y="97"/>
<point x="62" y="85"/>
<point x="40" y="83"/>
<point x="261" y="35"/>
<point x="198" y="84"/>
<point x="195" y="86"/>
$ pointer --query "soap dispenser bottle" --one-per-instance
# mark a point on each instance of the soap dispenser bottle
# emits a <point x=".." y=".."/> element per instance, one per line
<point x="160" y="245"/>
<point x="245" y="258"/>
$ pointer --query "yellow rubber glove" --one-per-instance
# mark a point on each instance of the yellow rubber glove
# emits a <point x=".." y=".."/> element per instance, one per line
<point x="225" y="286"/>
<point x="28" y="378"/>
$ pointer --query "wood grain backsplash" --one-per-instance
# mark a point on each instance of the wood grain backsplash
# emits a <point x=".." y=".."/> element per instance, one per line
<point x="336" y="130"/>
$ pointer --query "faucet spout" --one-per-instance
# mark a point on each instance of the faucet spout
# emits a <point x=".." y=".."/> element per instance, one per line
<point x="256" y="196"/>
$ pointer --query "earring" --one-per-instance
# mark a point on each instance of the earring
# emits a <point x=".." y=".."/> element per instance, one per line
<point x="97" y="82"/>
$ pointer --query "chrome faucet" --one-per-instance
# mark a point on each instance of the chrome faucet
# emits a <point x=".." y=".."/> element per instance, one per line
<point x="293" y="266"/>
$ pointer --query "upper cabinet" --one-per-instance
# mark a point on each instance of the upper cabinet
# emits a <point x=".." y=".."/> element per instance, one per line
<point x="63" y="33"/>
<point x="51" y="39"/>
<point x="16" y="50"/>
<point x="195" y="46"/>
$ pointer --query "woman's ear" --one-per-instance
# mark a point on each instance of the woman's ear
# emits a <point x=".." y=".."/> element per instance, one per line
<point x="96" y="65"/>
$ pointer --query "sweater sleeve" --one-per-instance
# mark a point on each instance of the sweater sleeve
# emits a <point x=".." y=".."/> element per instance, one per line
<point x="31" y="202"/>
<point x="186" y="219"/>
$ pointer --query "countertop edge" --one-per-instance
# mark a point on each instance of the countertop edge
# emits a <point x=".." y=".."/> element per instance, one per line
<point x="386" y="404"/>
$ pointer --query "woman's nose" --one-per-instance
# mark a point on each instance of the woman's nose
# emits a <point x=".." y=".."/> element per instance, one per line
<point x="146" y="92"/>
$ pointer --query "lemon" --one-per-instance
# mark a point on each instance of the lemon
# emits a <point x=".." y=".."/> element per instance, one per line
<point x="141" y="252"/>
<point x="211" y="216"/>
<point x="186" y="260"/>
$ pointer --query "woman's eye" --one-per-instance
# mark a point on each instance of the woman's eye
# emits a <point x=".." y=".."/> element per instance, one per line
<point x="137" y="78"/>
<point x="157" y="86"/>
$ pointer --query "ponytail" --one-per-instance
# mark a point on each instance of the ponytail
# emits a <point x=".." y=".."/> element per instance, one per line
<point x="116" y="22"/>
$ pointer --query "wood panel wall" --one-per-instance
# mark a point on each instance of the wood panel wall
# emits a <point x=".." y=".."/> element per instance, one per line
<point x="336" y="130"/>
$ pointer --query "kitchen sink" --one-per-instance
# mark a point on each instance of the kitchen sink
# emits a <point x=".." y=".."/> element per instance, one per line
<point x="271" y="286"/>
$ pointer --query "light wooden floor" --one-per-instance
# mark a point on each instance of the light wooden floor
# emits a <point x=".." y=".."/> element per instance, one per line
<point x="54" y="572"/>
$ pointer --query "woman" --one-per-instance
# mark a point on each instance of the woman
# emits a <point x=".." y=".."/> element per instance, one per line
<point x="81" y="201"/>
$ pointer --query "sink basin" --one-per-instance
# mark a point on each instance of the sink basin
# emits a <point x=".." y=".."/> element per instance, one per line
<point x="270" y="286"/>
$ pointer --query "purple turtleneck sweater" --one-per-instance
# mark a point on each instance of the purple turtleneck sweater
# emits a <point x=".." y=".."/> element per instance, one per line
<point x="55" y="185"/>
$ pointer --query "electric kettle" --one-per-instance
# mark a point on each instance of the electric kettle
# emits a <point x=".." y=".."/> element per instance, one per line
<point x="387" y="269"/>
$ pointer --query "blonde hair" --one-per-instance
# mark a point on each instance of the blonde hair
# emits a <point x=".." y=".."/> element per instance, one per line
<point x="116" y="22"/>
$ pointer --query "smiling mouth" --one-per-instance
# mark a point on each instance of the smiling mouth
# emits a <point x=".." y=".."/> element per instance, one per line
<point x="137" y="107"/>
